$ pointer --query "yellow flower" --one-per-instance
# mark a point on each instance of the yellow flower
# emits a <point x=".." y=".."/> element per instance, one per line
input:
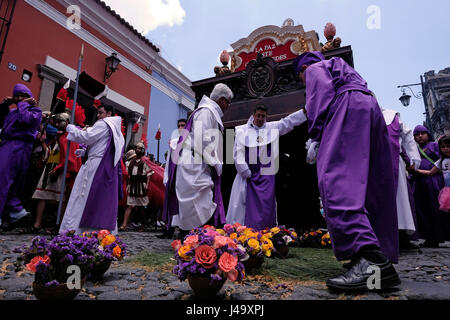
<point x="319" y="232"/>
<point x="254" y="244"/>
<point x="275" y="230"/>
<point x="182" y="253"/>
<point x="294" y="234"/>
<point x="222" y="232"/>
<point x="106" y="241"/>
<point x="233" y="235"/>
<point x="268" y="253"/>
<point x="242" y="239"/>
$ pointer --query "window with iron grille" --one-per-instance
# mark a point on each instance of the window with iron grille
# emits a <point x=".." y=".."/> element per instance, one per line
<point x="6" y="14"/>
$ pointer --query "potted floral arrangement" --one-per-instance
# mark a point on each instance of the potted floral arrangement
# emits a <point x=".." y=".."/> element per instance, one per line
<point x="109" y="248"/>
<point x="50" y="261"/>
<point x="315" y="239"/>
<point x="256" y="244"/>
<point x="282" y="238"/>
<point x="207" y="259"/>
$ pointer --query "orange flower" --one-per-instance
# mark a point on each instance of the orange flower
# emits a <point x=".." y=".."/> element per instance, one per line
<point x="35" y="261"/>
<point x="182" y="253"/>
<point x="191" y="241"/>
<point x="117" y="252"/>
<point x="206" y="256"/>
<point x="107" y="240"/>
<point x="227" y="262"/>
<point x="176" y="244"/>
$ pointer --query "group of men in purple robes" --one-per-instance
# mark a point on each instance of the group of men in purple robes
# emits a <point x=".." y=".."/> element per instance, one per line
<point x="19" y="123"/>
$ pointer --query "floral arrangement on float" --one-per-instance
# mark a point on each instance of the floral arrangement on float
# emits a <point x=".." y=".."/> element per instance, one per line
<point x="50" y="261"/>
<point x="207" y="258"/>
<point x="109" y="248"/>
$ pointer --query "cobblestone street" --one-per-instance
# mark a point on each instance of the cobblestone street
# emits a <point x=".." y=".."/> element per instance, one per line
<point x="424" y="275"/>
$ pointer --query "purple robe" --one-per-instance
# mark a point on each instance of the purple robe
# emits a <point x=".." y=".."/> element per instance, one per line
<point x="431" y="222"/>
<point x="354" y="163"/>
<point x="260" y="203"/>
<point x="170" y="207"/>
<point x="100" y="211"/>
<point x="20" y="128"/>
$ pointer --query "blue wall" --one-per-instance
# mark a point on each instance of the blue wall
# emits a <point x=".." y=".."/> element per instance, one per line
<point x="165" y="111"/>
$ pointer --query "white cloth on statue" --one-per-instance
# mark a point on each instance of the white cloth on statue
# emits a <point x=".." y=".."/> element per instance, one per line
<point x="406" y="140"/>
<point x="236" y="206"/>
<point x="194" y="185"/>
<point x="97" y="139"/>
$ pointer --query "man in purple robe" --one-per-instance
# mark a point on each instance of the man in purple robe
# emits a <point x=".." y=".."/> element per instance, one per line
<point x="19" y="120"/>
<point x="354" y="168"/>
<point x="431" y="222"/>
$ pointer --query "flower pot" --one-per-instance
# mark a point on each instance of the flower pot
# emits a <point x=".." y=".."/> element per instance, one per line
<point x="99" y="270"/>
<point x="281" y="251"/>
<point x="253" y="263"/>
<point x="58" y="292"/>
<point x="204" y="286"/>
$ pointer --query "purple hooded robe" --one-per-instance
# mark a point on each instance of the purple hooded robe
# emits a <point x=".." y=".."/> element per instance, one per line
<point x="431" y="222"/>
<point x="354" y="163"/>
<point x="19" y="130"/>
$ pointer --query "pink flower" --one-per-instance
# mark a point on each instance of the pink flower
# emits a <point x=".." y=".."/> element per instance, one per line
<point x="176" y="244"/>
<point x="232" y="275"/>
<point x="228" y="228"/>
<point x="220" y="241"/>
<point x="35" y="261"/>
<point x="227" y="262"/>
<point x="206" y="256"/>
<point x="231" y="243"/>
<point x="241" y="228"/>
<point x="191" y="241"/>
<point x="102" y="233"/>
<point x="212" y="233"/>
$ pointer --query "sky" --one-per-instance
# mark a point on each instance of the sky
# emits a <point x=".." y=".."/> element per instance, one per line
<point x="393" y="41"/>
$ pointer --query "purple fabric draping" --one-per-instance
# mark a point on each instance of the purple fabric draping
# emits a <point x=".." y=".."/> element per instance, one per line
<point x="354" y="163"/>
<point x="100" y="211"/>
<point x="394" y="136"/>
<point x="260" y="203"/>
<point x="20" y="128"/>
<point x="431" y="222"/>
<point x="170" y="207"/>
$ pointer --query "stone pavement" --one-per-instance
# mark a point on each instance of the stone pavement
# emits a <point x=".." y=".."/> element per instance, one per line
<point x="424" y="275"/>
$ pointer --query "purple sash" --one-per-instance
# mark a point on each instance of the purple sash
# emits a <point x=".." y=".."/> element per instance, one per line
<point x="100" y="211"/>
<point x="170" y="207"/>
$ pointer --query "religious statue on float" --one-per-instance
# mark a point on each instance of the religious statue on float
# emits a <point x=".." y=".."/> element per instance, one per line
<point x="332" y="43"/>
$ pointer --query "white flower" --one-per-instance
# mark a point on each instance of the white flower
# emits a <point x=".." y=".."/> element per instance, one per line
<point x="287" y="239"/>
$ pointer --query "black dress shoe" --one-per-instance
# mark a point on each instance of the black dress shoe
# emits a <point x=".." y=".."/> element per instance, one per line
<point x="430" y="244"/>
<point x="356" y="279"/>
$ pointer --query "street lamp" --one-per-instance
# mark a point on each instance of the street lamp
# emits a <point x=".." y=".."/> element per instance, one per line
<point x="112" y="62"/>
<point x="405" y="98"/>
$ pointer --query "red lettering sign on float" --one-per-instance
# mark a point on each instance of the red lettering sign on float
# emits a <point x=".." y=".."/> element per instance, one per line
<point x="268" y="48"/>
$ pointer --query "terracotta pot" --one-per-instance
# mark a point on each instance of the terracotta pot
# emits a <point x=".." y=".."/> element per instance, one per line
<point x="253" y="263"/>
<point x="281" y="251"/>
<point x="58" y="292"/>
<point x="99" y="270"/>
<point x="203" y="286"/>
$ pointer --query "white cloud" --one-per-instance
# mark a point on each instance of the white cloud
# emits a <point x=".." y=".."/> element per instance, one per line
<point x="147" y="15"/>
